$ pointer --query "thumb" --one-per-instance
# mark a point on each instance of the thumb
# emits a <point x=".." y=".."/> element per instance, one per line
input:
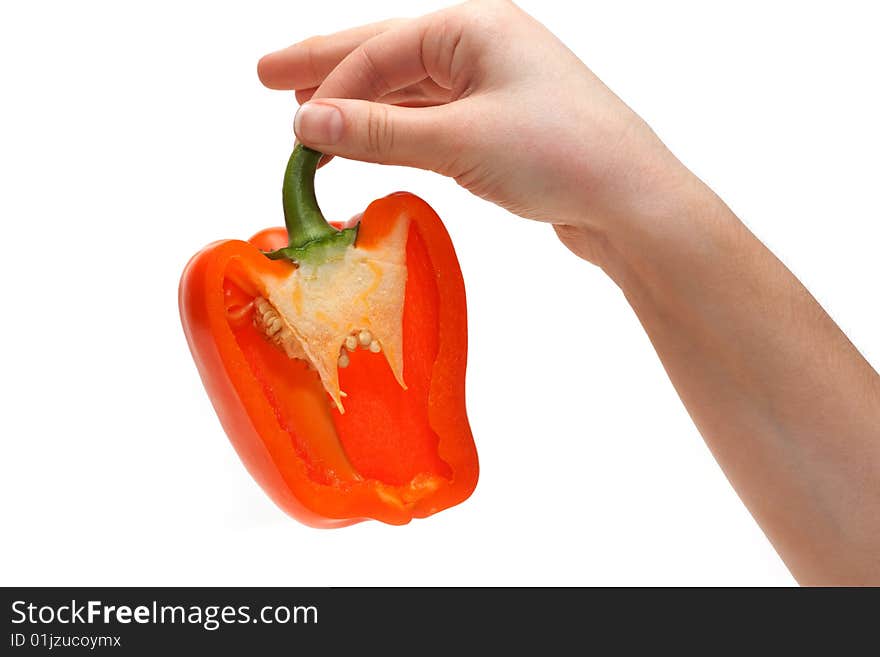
<point x="376" y="132"/>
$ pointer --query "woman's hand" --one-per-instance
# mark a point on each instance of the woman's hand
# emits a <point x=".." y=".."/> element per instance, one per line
<point x="483" y="93"/>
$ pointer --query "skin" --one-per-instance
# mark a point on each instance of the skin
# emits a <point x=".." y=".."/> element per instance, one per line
<point x="786" y="403"/>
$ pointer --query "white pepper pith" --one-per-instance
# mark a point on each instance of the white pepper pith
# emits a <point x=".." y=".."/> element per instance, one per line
<point x="269" y="322"/>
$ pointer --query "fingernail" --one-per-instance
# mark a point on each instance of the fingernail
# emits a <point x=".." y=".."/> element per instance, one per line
<point x="318" y="123"/>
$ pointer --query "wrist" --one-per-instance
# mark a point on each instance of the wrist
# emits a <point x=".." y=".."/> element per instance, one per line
<point x="669" y="217"/>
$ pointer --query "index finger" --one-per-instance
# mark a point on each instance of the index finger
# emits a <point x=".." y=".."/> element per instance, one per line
<point x="304" y="65"/>
<point x="418" y="49"/>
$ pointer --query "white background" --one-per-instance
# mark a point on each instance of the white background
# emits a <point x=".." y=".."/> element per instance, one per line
<point x="133" y="135"/>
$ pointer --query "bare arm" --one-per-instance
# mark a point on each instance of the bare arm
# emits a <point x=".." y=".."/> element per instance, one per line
<point x="787" y="405"/>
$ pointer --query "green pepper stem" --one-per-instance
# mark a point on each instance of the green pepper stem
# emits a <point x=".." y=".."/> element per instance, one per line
<point x="302" y="216"/>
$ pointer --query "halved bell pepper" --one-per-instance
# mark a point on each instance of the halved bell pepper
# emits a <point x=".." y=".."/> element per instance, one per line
<point x="335" y="358"/>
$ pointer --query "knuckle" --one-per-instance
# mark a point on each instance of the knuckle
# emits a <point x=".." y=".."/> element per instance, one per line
<point x="380" y="132"/>
<point x="310" y="46"/>
<point x="488" y="5"/>
<point x="375" y="82"/>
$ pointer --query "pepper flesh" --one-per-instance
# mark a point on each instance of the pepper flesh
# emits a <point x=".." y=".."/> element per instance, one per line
<point x="396" y="453"/>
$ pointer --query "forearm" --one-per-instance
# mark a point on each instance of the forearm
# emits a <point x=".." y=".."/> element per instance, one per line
<point x="787" y="405"/>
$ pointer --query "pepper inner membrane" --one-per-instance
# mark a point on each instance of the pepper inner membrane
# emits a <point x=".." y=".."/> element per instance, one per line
<point x="384" y="433"/>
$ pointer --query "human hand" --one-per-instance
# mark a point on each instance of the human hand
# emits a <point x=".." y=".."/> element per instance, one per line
<point x="485" y="94"/>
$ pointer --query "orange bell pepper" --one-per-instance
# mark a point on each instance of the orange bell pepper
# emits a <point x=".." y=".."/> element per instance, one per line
<point x="335" y="359"/>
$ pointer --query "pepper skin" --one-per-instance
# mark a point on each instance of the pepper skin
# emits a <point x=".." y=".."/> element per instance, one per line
<point x="395" y="453"/>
